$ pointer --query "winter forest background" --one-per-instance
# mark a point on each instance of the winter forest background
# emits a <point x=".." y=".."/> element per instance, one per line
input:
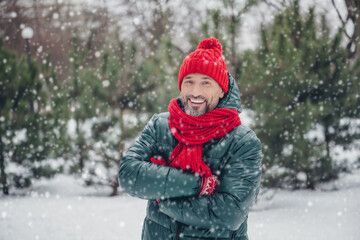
<point x="76" y="94"/>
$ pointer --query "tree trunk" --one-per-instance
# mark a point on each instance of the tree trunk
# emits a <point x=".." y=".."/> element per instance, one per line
<point x="5" y="187"/>
<point x="80" y="144"/>
<point x="233" y="62"/>
<point x="115" y="184"/>
<point x="327" y="140"/>
<point x="353" y="10"/>
<point x="357" y="30"/>
<point x="122" y="138"/>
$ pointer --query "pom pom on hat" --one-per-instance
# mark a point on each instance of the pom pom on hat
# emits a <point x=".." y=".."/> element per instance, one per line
<point x="209" y="44"/>
<point x="206" y="59"/>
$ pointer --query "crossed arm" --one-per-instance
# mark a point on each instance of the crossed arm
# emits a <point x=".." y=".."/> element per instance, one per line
<point x="227" y="208"/>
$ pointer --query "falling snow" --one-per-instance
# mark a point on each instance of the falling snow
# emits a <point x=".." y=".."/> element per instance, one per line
<point x="64" y="208"/>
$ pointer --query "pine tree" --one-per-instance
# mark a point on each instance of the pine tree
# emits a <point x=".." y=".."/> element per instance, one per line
<point x="29" y="136"/>
<point x="82" y="102"/>
<point x="299" y="80"/>
<point x="127" y="92"/>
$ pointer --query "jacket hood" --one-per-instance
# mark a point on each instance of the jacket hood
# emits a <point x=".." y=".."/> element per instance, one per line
<point x="231" y="99"/>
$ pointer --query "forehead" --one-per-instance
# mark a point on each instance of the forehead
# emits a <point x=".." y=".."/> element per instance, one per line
<point x="198" y="76"/>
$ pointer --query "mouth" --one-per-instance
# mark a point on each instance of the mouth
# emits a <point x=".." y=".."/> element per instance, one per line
<point x="197" y="101"/>
<point x="195" y="106"/>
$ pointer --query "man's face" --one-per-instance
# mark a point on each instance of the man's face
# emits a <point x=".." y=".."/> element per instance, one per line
<point x="200" y="94"/>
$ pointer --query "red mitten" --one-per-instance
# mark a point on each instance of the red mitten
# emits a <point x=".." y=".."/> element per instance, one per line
<point x="208" y="185"/>
<point x="158" y="161"/>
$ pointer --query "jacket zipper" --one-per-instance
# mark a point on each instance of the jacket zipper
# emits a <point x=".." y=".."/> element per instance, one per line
<point x="178" y="230"/>
<point x="179" y="227"/>
<point x="233" y="235"/>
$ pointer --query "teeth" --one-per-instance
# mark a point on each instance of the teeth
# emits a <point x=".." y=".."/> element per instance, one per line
<point x="197" y="101"/>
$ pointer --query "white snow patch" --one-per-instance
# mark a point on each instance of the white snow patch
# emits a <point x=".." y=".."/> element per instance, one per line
<point x="64" y="209"/>
<point x="247" y="117"/>
<point x="20" y="136"/>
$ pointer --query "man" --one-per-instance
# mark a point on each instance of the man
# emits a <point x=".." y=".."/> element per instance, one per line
<point x="198" y="166"/>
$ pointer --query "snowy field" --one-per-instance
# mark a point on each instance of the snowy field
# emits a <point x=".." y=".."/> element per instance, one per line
<point x="63" y="209"/>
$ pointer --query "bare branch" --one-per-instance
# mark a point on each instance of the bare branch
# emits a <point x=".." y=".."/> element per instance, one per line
<point x="342" y="21"/>
<point x="248" y="5"/>
<point x="272" y="5"/>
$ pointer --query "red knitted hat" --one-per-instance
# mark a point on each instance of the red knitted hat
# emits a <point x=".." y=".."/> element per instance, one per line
<point x="206" y="59"/>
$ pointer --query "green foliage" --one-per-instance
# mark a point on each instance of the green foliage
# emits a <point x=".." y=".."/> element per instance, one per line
<point x="83" y="104"/>
<point x="300" y="81"/>
<point x="123" y="92"/>
<point x="32" y="119"/>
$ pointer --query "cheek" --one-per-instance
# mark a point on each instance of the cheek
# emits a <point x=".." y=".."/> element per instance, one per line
<point x="215" y="95"/>
<point x="220" y="93"/>
<point x="183" y="98"/>
<point x="183" y="92"/>
<point x="214" y="99"/>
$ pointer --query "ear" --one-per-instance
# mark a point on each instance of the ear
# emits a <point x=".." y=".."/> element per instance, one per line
<point x="222" y="93"/>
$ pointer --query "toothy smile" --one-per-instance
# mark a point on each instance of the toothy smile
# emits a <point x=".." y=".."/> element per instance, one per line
<point x="197" y="101"/>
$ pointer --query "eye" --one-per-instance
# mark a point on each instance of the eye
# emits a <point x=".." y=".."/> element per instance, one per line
<point x="188" y="81"/>
<point x="206" y="83"/>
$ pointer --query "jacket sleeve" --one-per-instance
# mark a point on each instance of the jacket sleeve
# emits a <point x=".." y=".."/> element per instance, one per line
<point x="238" y="187"/>
<point x="141" y="178"/>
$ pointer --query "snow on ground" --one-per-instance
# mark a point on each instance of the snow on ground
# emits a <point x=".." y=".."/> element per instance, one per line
<point x="310" y="215"/>
<point x="63" y="209"/>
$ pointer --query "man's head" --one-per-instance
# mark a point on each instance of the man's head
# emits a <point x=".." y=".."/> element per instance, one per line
<point x="200" y="94"/>
<point x="203" y="78"/>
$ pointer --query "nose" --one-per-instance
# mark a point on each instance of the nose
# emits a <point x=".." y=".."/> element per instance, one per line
<point x="196" y="90"/>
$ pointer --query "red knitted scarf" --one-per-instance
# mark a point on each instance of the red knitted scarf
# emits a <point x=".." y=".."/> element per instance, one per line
<point x="192" y="132"/>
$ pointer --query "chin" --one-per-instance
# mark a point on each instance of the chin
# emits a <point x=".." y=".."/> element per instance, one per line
<point x="194" y="112"/>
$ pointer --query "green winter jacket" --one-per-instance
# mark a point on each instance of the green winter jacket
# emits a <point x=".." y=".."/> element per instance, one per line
<point x="182" y="213"/>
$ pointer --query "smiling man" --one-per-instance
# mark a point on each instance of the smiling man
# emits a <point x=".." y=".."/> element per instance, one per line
<point x="197" y="164"/>
<point x="200" y="94"/>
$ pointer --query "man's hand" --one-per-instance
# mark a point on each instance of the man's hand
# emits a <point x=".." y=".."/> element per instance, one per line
<point x="208" y="185"/>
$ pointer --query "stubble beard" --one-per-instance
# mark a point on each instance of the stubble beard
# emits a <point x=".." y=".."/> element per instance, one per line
<point x="194" y="111"/>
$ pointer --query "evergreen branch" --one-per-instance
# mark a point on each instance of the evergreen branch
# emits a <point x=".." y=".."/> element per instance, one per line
<point x="262" y="85"/>
<point x="106" y="156"/>
<point x="178" y="49"/>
